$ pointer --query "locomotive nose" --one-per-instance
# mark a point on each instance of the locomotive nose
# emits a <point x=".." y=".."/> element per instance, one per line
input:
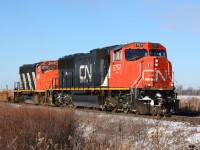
<point x="162" y="72"/>
<point x="158" y="74"/>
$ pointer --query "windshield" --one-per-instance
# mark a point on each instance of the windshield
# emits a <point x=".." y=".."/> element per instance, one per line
<point x="155" y="52"/>
<point x="53" y="67"/>
<point x="45" y="68"/>
<point x="135" y="54"/>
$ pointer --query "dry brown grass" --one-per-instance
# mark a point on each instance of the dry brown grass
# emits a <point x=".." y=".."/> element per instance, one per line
<point x="47" y="128"/>
<point x="6" y="95"/>
<point x="190" y="105"/>
<point x="35" y="128"/>
<point x="106" y="134"/>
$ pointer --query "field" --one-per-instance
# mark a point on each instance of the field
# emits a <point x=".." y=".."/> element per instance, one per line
<point x="26" y="127"/>
<point x="40" y="127"/>
<point x="189" y="103"/>
<point x="6" y="95"/>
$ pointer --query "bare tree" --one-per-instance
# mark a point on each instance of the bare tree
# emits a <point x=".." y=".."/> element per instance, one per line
<point x="179" y="89"/>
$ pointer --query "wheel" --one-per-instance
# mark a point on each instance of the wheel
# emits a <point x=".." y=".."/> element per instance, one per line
<point x="114" y="110"/>
<point x="126" y="111"/>
<point x="36" y="99"/>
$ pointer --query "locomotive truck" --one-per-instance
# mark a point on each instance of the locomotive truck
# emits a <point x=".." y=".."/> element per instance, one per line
<point x="135" y="77"/>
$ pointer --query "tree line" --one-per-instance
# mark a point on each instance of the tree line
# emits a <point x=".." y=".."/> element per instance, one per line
<point x="187" y="91"/>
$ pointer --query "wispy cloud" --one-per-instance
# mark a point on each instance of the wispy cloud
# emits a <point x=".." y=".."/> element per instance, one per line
<point x="184" y="17"/>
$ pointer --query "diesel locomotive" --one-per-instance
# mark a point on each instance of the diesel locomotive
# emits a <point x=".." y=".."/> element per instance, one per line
<point x="135" y="77"/>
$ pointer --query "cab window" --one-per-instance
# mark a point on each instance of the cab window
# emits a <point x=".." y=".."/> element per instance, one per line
<point x="53" y="67"/>
<point x="135" y="54"/>
<point x="155" y="52"/>
<point x="117" y="55"/>
<point x="45" y="68"/>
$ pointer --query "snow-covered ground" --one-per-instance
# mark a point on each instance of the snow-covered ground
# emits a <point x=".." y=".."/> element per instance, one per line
<point x="189" y="97"/>
<point x="128" y="132"/>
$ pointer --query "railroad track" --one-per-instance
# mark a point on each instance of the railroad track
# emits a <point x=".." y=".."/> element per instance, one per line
<point x="186" y="117"/>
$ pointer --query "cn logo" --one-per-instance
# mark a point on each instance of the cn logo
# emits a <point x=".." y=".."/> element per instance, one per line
<point x="161" y="75"/>
<point x="158" y="74"/>
<point x="85" y="72"/>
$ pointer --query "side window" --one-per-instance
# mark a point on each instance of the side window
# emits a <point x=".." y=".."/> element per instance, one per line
<point x="45" y="68"/>
<point x="117" y="55"/>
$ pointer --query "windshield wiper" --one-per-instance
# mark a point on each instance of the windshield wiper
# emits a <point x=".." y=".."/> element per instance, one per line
<point x="135" y="58"/>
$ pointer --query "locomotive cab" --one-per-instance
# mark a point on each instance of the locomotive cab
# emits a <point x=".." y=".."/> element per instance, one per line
<point x="47" y="75"/>
<point x="142" y="65"/>
<point x="145" y="69"/>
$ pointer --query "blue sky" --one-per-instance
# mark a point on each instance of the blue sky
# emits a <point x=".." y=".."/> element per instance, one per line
<point x="36" y="30"/>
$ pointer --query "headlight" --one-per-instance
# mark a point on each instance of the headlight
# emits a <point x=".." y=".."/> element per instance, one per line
<point x="156" y="60"/>
<point x="156" y="64"/>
